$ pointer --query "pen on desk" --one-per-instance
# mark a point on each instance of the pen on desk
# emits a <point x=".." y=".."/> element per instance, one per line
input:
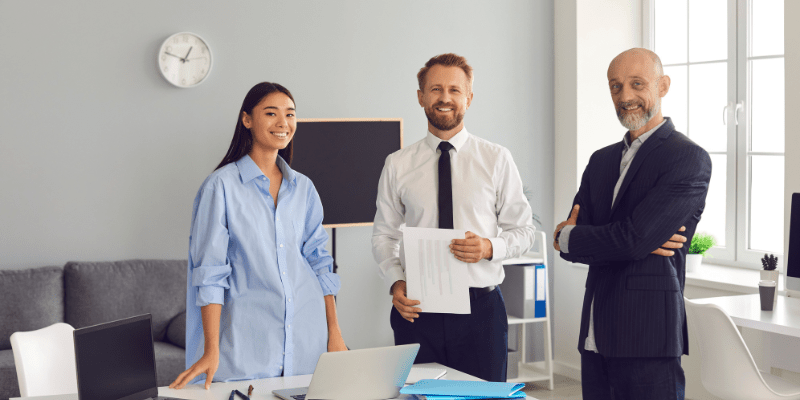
<point x="233" y="392"/>
<point x="250" y="390"/>
<point x="241" y="394"/>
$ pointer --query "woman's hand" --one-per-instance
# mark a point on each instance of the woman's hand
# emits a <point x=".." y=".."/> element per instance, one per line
<point x="336" y="342"/>
<point x="207" y="364"/>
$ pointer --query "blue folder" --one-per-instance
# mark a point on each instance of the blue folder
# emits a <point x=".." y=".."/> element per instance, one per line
<point x="443" y="389"/>
<point x="517" y="395"/>
<point x="540" y="307"/>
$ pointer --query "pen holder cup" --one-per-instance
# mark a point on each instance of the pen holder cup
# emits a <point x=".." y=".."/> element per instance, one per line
<point x="766" y="290"/>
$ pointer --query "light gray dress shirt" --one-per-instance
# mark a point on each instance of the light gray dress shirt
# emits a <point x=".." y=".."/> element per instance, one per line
<point x="628" y="152"/>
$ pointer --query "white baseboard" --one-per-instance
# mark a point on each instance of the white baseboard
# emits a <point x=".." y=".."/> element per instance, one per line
<point x="568" y="370"/>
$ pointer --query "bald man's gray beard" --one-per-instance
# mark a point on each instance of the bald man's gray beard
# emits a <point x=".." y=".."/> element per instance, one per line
<point x="443" y="123"/>
<point x="633" y="122"/>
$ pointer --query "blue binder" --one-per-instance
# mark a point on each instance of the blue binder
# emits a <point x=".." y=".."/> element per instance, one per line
<point x="540" y="308"/>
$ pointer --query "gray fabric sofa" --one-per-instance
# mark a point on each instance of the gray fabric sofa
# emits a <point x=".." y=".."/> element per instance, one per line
<point x="88" y="293"/>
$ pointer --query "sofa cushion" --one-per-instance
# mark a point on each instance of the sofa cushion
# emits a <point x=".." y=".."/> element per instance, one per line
<point x="97" y="292"/>
<point x="9" y="385"/>
<point x="170" y="362"/>
<point x="31" y="299"/>
<point x="176" y="332"/>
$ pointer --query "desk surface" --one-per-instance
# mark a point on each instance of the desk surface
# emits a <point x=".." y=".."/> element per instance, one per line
<point x="262" y="388"/>
<point x="745" y="310"/>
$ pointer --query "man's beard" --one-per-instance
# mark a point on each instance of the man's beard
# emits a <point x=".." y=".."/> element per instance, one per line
<point x="443" y="123"/>
<point x="633" y="122"/>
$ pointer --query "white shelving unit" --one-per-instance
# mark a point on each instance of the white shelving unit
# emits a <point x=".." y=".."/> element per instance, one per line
<point x="528" y="372"/>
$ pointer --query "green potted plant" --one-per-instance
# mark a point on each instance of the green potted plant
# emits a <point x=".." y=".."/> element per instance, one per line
<point x="770" y="264"/>
<point x="701" y="242"/>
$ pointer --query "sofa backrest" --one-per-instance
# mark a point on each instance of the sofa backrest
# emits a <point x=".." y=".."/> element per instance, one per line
<point x="98" y="292"/>
<point x="30" y="299"/>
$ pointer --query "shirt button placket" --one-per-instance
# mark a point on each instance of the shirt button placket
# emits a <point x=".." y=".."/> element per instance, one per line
<point x="287" y="288"/>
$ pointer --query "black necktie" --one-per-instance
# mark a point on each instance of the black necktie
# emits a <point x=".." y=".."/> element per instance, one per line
<point x="445" y="187"/>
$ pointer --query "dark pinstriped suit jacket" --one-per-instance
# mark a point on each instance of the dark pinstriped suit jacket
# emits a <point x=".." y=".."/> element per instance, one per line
<point x="638" y="296"/>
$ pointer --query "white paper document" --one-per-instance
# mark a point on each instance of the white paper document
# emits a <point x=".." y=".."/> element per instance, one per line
<point x="540" y="280"/>
<point x="433" y="275"/>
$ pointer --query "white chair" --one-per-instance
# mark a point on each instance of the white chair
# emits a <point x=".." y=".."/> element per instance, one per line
<point x="45" y="361"/>
<point x="727" y="368"/>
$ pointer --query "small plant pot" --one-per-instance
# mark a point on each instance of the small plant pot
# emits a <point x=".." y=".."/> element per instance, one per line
<point x="693" y="261"/>
<point x="771" y="276"/>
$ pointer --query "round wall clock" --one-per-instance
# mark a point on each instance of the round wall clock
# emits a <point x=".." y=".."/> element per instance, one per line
<point x="184" y="59"/>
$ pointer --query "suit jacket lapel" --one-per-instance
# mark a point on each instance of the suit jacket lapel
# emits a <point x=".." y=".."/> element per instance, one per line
<point x="649" y="145"/>
<point x="611" y="175"/>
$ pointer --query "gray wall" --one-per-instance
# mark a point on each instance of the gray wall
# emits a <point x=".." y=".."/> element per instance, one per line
<point x="101" y="157"/>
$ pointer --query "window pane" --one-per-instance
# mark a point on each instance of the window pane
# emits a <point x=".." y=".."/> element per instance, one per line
<point x="713" y="218"/>
<point x="708" y="30"/>
<point x="767" y="105"/>
<point x="674" y="104"/>
<point x="708" y="89"/>
<point x="766" y="29"/>
<point x="671" y="30"/>
<point x="766" y="204"/>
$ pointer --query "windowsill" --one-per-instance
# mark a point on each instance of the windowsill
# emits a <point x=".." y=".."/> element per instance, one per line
<point x="723" y="277"/>
<point x="733" y="279"/>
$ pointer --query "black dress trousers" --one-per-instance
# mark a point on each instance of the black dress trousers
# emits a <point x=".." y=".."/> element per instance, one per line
<point x="476" y="343"/>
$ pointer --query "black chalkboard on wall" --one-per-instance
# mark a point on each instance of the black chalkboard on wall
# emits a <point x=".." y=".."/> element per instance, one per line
<point x="344" y="159"/>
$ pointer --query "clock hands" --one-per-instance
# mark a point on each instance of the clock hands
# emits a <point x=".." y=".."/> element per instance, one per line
<point x="178" y="57"/>
<point x="183" y="59"/>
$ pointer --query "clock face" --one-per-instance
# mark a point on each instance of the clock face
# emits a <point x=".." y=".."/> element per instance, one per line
<point x="184" y="59"/>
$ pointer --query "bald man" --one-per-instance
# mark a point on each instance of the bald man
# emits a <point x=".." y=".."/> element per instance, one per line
<point x="639" y="200"/>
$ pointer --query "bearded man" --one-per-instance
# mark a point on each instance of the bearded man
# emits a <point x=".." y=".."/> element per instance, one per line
<point x="634" y="198"/>
<point x="453" y="179"/>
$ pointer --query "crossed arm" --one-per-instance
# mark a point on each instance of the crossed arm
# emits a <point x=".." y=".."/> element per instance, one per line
<point x="679" y="192"/>
<point x="676" y="241"/>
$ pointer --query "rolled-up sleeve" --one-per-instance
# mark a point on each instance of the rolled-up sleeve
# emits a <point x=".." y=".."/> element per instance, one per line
<point x="208" y="244"/>
<point x="314" y="240"/>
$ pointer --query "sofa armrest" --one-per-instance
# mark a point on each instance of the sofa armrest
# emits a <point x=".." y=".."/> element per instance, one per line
<point x="176" y="331"/>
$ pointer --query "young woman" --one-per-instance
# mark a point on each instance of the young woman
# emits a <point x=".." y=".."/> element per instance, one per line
<point x="260" y="284"/>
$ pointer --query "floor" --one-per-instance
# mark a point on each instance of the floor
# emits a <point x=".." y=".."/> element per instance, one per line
<point x="563" y="389"/>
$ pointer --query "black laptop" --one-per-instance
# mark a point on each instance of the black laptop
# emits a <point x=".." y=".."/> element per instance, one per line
<point x="115" y="360"/>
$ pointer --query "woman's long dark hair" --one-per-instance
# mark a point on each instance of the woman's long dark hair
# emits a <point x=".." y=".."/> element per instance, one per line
<point x="242" y="141"/>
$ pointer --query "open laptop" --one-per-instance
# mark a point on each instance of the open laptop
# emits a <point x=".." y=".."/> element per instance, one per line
<point x="366" y="374"/>
<point x="116" y="360"/>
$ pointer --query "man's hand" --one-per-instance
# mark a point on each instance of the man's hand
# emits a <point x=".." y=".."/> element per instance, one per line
<point x="572" y="220"/>
<point x="402" y="303"/>
<point x="472" y="249"/>
<point x="675" y="242"/>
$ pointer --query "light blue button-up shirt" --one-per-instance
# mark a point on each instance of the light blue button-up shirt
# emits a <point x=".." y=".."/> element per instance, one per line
<point x="266" y="265"/>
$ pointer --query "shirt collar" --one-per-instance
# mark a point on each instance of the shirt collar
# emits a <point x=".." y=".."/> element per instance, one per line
<point x="248" y="170"/>
<point x="457" y="141"/>
<point x="643" y="136"/>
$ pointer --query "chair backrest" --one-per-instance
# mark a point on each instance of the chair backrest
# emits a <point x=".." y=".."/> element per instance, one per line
<point x="727" y="368"/>
<point x="45" y="361"/>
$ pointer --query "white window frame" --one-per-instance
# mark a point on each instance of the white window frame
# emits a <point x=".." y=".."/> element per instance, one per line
<point x="737" y="115"/>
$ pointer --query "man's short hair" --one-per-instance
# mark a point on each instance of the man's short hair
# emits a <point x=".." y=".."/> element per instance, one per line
<point x="447" y="60"/>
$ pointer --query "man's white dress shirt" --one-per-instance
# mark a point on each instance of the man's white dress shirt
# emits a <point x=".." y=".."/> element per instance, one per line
<point x="628" y="152"/>
<point x="487" y="200"/>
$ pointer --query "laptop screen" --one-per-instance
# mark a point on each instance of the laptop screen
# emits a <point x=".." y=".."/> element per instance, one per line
<point x="115" y="360"/>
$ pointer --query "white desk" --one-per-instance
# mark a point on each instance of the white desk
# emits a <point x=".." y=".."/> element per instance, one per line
<point x="262" y="388"/>
<point x="745" y="311"/>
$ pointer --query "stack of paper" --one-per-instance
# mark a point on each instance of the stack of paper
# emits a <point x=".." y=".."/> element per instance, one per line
<point x="443" y="389"/>
<point x="418" y="373"/>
